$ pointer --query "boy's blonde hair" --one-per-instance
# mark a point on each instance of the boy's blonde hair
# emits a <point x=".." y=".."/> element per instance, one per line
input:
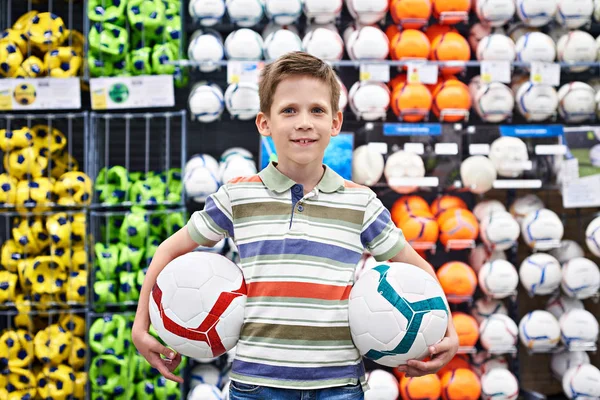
<point x="294" y="64"/>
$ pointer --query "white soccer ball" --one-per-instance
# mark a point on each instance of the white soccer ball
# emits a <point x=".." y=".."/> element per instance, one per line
<point x="536" y="12"/>
<point x="205" y="392"/>
<point x="322" y="11"/>
<point x="206" y="102"/>
<point x="245" y="13"/>
<point x="499" y="383"/>
<point x="367" y="43"/>
<point x="568" y="250"/>
<point x="477" y="174"/>
<point x="565" y="360"/>
<point x="577" y="102"/>
<point x="367" y="12"/>
<point x="539" y="329"/>
<point x="242" y="101"/>
<point x="525" y="205"/>
<point x="280" y="42"/>
<point x="542" y="229"/>
<point x="484" y="308"/>
<point x="498" y="332"/>
<point x="540" y="274"/>
<point x="582" y="382"/>
<point x="236" y="152"/>
<point x="367" y="165"/>
<point x="595" y="155"/>
<point x="244" y="44"/>
<point x="400" y="165"/>
<point x="535" y="46"/>
<point x="559" y="304"/>
<point x="499" y="231"/>
<point x="201" y="161"/>
<point x="574" y="14"/>
<point x="272" y="27"/>
<point x="369" y="100"/>
<point x="495" y="12"/>
<point x="578" y="327"/>
<point x="483" y="362"/>
<point x="207" y="12"/>
<point x="283" y="12"/>
<point x="498" y="279"/>
<point x="208" y="374"/>
<point x="184" y="293"/>
<point x="201" y="177"/>
<point x="236" y="167"/>
<point x="382" y="386"/>
<point x="486" y="207"/>
<point x="494" y="102"/>
<point x="508" y="155"/>
<point x="592" y="236"/>
<point x="480" y="255"/>
<point x="496" y="47"/>
<point x="324" y="42"/>
<point x="379" y="329"/>
<point x="577" y="46"/>
<point x="206" y="47"/>
<point x="536" y="102"/>
<point x="343" y="102"/>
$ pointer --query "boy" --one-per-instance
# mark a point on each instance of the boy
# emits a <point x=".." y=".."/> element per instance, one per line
<point x="300" y="230"/>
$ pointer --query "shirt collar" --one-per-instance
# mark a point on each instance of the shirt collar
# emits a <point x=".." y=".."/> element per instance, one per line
<point x="277" y="182"/>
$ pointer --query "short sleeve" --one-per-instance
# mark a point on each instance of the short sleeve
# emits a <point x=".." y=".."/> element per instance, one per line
<point x="214" y="222"/>
<point x="379" y="234"/>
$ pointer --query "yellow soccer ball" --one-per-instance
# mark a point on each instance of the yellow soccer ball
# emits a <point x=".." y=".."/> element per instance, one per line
<point x="18" y="346"/>
<point x="8" y="190"/>
<point x="46" y="31"/>
<point x="10" y="58"/>
<point x="56" y="382"/>
<point x="63" y="62"/>
<point x="15" y="139"/>
<point x="15" y="36"/>
<point x="74" y="188"/>
<point x="53" y="345"/>
<point x="32" y="67"/>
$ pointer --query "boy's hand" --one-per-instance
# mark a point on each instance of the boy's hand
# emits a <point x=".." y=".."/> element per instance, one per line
<point x="441" y="354"/>
<point x="151" y="349"/>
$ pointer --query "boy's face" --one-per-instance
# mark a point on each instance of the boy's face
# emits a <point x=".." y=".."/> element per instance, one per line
<point x="301" y="120"/>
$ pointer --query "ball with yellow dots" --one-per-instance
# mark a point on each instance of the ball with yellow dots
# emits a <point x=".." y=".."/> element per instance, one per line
<point x="63" y="62"/>
<point x="8" y="190"/>
<point x="53" y="345"/>
<point x="32" y="67"/>
<point x="10" y="58"/>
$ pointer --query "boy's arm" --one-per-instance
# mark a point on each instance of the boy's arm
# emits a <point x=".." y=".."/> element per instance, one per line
<point x="442" y="352"/>
<point x="178" y="244"/>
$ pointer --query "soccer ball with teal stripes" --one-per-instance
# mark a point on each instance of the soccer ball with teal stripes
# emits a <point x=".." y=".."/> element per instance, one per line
<point x="396" y="311"/>
<point x="197" y="304"/>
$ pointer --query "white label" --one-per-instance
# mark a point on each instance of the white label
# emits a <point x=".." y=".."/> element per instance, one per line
<point x="545" y="73"/>
<point x="40" y="94"/>
<point x="450" y="149"/>
<point x="495" y="71"/>
<point x="243" y="71"/>
<point x="422" y="73"/>
<point x="132" y="92"/>
<point x="479" y="149"/>
<point x="517" y="184"/>
<point x="417" y="148"/>
<point x="550" y="149"/>
<point x="375" y="72"/>
<point x="428" y="181"/>
<point x="583" y="192"/>
<point x="519" y="166"/>
<point x="380" y="147"/>
<point x="569" y="171"/>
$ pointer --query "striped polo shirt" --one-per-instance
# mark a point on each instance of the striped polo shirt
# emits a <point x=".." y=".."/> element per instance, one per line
<point x="298" y="253"/>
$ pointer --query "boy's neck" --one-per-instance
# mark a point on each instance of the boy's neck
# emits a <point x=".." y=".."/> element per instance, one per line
<point x="306" y="175"/>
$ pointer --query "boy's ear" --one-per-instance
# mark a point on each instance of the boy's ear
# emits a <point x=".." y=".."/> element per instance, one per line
<point x="262" y="124"/>
<point x="336" y="123"/>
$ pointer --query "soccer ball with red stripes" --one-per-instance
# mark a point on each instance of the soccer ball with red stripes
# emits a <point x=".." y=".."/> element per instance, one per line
<point x="197" y="304"/>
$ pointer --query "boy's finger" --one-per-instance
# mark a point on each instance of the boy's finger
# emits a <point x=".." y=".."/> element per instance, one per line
<point x="164" y="371"/>
<point x="165" y="351"/>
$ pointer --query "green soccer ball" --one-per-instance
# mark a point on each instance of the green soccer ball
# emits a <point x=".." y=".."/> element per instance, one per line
<point x="147" y="16"/>
<point x="121" y="67"/>
<point x="109" y="335"/>
<point x="127" y="287"/>
<point x="112" y="11"/>
<point x="112" y="185"/>
<point x="134" y="230"/>
<point x="110" y="40"/>
<point x="109" y="374"/>
<point x="130" y="258"/>
<point x="151" y="249"/>
<point x="107" y="260"/>
<point x="174" y="222"/>
<point x="166" y="389"/>
<point x="162" y="55"/>
<point x="139" y="61"/>
<point x="105" y="292"/>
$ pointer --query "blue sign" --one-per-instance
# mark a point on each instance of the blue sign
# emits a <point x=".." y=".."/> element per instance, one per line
<point x="531" y="131"/>
<point x="400" y="129"/>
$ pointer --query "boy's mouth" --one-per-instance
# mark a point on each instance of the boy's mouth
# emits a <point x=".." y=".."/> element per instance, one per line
<point x="304" y="141"/>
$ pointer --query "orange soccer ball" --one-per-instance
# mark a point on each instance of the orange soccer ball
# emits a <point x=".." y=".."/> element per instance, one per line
<point x="457" y="279"/>
<point x="457" y="224"/>
<point x="396" y="81"/>
<point x="427" y="387"/>
<point x="467" y="329"/>
<point x="410" y="44"/>
<point x="435" y="30"/>
<point x="458" y="361"/>
<point x="411" y="14"/>
<point x="450" y="46"/>
<point x="451" y="11"/>
<point x="411" y="101"/>
<point x="419" y="226"/>
<point x="445" y="203"/>
<point x="452" y="99"/>
<point x="405" y="205"/>
<point x="461" y="384"/>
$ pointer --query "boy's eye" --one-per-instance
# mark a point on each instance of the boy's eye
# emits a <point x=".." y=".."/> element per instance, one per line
<point x="288" y="110"/>
<point x="318" y="110"/>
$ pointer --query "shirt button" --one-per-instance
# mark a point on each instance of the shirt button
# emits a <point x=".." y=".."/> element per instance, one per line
<point x="300" y="208"/>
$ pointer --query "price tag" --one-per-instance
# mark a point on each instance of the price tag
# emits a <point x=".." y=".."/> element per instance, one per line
<point x="417" y="148"/>
<point x="582" y="192"/>
<point x="243" y="71"/>
<point x="495" y="71"/>
<point x="449" y="149"/>
<point x="375" y="72"/>
<point x="132" y="92"/>
<point x="40" y="94"/>
<point x="422" y="73"/>
<point x="380" y="147"/>
<point x="479" y="149"/>
<point x="550" y="149"/>
<point x="545" y="73"/>
<point x="427" y="181"/>
<point x="517" y="184"/>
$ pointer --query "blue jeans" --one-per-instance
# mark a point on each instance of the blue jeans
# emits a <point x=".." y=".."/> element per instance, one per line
<point x="242" y="391"/>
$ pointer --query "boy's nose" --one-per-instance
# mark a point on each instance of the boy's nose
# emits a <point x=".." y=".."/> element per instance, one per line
<point x="304" y="122"/>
